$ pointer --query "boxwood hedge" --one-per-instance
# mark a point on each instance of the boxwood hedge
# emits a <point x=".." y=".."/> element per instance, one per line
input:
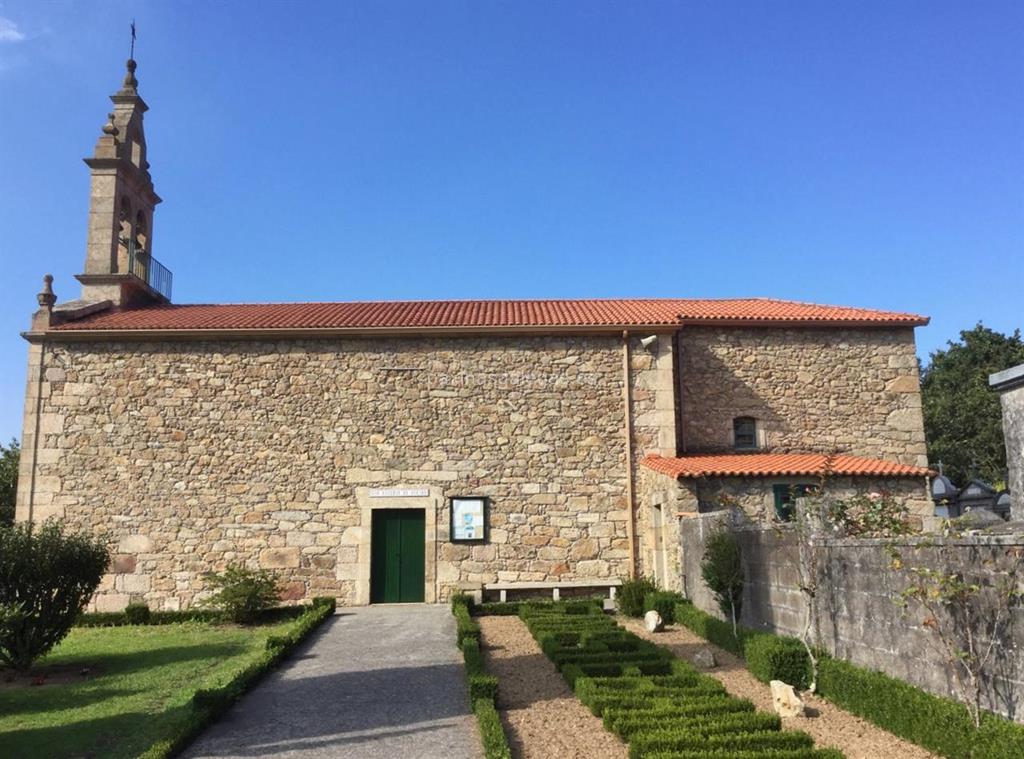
<point x="938" y="724"/>
<point x="659" y="704"/>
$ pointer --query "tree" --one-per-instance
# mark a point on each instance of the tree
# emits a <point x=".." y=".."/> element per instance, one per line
<point x="722" y="570"/>
<point x="9" y="457"/>
<point x="962" y="416"/>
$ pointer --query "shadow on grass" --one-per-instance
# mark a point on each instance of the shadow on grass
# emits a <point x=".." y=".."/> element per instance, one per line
<point x="120" y="735"/>
<point x="29" y="699"/>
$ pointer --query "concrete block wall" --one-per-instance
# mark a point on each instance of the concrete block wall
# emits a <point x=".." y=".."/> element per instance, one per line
<point x="858" y="618"/>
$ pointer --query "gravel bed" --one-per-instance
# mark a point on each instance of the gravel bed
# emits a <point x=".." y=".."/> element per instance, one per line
<point x="830" y="726"/>
<point x="543" y="719"/>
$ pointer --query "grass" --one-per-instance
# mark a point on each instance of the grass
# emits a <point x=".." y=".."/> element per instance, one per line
<point x="138" y="693"/>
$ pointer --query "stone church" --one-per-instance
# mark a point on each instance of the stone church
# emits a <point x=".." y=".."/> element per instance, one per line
<point x="397" y="451"/>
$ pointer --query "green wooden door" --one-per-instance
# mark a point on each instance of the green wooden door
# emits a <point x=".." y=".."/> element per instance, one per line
<point x="396" y="556"/>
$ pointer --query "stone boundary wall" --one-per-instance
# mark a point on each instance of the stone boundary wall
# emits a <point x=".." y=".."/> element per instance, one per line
<point x="858" y="618"/>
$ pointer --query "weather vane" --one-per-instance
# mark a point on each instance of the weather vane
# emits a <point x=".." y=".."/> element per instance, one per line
<point x="132" y="54"/>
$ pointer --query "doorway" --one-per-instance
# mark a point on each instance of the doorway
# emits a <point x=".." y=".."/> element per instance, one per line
<point x="397" y="556"/>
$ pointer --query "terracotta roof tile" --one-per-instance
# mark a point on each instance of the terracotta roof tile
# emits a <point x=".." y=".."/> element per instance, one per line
<point x="777" y="464"/>
<point x="472" y="314"/>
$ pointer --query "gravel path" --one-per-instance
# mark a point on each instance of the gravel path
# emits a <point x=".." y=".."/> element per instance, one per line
<point x="830" y="726"/>
<point x="543" y="719"/>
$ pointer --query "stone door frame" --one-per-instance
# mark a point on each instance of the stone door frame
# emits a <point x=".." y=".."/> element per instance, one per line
<point x="430" y="505"/>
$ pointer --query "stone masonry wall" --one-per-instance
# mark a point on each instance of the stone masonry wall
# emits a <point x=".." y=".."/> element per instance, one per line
<point x="190" y="455"/>
<point x="845" y="390"/>
<point x="756" y="499"/>
<point x="1013" y="432"/>
<point x="858" y="617"/>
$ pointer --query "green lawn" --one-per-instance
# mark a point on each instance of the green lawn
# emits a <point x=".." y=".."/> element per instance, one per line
<point x="143" y="678"/>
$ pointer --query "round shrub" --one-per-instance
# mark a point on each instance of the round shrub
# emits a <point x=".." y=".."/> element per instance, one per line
<point x="664" y="602"/>
<point x="770" y="657"/>
<point x="243" y="593"/>
<point x="137" y="614"/>
<point x="47" y="575"/>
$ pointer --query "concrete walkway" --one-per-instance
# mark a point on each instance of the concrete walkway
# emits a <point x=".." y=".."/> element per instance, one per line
<point x="372" y="683"/>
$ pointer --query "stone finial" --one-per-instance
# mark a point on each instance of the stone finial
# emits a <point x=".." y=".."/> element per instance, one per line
<point x="130" y="82"/>
<point x="46" y="297"/>
<point x="109" y="127"/>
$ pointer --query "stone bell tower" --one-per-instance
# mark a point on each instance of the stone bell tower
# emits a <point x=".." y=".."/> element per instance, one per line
<point x="119" y="265"/>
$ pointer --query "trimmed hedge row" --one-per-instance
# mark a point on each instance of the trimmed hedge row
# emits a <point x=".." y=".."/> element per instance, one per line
<point x="939" y="724"/>
<point x="800" y="753"/>
<point x="491" y="731"/>
<point x="139" y="614"/>
<point x="483" y="688"/>
<point x="769" y="657"/>
<point x="466" y="628"/>
<point x="209" y="703"/>
<point x="659" y="705"/>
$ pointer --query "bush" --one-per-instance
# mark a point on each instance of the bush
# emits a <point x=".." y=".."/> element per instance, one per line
<point x="491" y="731"/>
<point x="243" y="593"/>
<point x="497" y="609"/>
<point x="466" y="627"/>
<point x="136" y="614"/>
<point x="483" y="686"/>
<point x="939" y="724"/>
<point x="801" y="753"/>
<point x="631" y="595"/>
<point x="120" y="618"/>
<point x="461" y="600"/>
<point x="770" y="657"/>
<point x="664" y="602"/>
<point x="329" y="602"/>
<point x="722" y="570"/>
<point x="697" y="740"/>
<point x="711" y="628"/>
<point x="47" y="576"/>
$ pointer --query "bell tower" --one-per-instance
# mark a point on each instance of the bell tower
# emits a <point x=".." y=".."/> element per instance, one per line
<point x="119" y="265"/>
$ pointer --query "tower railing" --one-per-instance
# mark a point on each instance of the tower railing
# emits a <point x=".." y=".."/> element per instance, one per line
<point x="150" y="271"/>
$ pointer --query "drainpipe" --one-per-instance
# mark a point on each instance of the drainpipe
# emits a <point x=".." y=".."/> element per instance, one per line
<point x="627" y="395"/>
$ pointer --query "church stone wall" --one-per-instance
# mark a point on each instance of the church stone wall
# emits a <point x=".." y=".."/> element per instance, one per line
<point x="191" y="455"/>
<point x="847" y="390"/>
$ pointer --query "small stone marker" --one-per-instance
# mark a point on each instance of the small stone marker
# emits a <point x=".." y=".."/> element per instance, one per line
<point x="652" y="621"/>
<point x="786" y="702"/>
<point x="704" y="658"/>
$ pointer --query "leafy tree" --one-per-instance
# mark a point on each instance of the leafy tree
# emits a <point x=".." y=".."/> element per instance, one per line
<point x="722" y="570"/>
<point x="9" y="456"/>
<point x="962" y="416"/>
<point x="46" y="577"/>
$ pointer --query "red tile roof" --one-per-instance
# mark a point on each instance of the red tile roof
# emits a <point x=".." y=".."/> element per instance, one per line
<point x="777" y="464"/>
<point x="477" y="314"/>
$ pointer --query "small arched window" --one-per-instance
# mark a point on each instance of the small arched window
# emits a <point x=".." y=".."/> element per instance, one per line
<point x="744" y="433"/>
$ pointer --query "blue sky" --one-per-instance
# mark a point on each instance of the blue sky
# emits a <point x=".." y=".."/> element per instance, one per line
<point x="859" y="153"/>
